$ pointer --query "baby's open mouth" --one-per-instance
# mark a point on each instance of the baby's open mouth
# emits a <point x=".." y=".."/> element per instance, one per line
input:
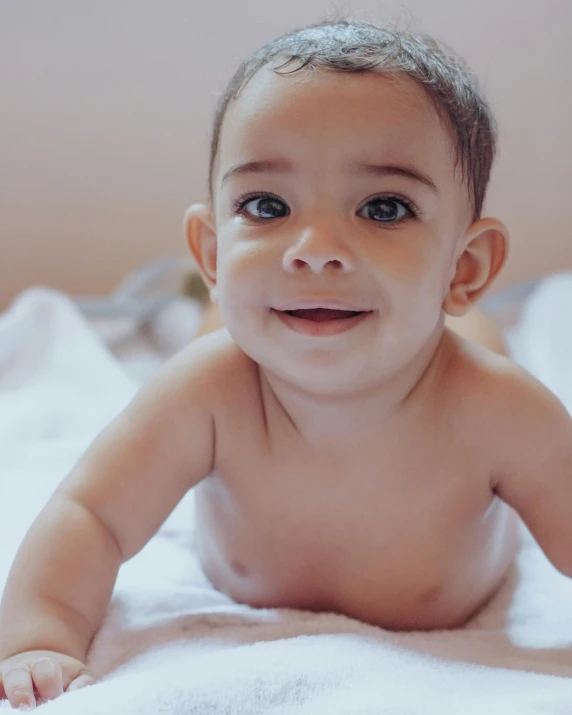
<point x="321" y="314"/>
<point x="322" y="322"/>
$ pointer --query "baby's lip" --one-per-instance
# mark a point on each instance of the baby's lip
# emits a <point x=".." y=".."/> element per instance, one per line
<point x="328" y="303"/>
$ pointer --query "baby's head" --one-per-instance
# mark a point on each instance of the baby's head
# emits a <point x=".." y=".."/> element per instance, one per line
<point x="349" y="166"/>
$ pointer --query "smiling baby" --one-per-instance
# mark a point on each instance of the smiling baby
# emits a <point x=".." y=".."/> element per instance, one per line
<point x="349" y="452"/>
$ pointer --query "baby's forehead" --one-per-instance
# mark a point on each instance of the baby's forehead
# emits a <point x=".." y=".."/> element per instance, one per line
<point x="383" y="91"/>
<point x="345" y="114"/>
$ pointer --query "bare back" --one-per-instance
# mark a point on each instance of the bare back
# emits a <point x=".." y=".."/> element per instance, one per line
<point x="401" y="529"/>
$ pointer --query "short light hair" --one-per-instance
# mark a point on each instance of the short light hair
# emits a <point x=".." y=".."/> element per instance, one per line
<point x="353" y="46"/>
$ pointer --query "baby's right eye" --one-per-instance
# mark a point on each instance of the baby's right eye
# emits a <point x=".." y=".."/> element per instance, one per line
<point x="266" y="206"/>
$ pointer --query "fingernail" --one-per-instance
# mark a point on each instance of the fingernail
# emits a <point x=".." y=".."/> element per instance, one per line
<point x="30" y="705"/>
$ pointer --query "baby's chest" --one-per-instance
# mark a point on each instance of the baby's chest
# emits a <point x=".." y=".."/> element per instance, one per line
<point x="372" y="530"/>
<point x="387" y="507"/>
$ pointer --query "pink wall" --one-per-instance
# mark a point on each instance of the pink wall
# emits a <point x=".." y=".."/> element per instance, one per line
<point x="106" y="111"/>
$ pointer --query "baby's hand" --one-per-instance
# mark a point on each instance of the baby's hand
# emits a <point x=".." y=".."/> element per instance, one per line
<point x="40" y="673"/>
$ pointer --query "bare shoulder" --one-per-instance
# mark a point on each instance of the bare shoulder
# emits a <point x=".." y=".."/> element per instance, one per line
<point x="192" y="391"/>
<point x="498" y="381"/>
<point x="210" y="365"/>
<point x="520" y="418"/>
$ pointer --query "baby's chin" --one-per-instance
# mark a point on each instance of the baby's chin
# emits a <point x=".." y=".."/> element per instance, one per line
<point x="320" y="372"/>
<point x="331" y="365"/>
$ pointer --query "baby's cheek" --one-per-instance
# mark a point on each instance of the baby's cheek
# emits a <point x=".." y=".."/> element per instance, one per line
<point x="414" y="259"/>
<point x="241" y="269"/>
<point x="416" y="307"/>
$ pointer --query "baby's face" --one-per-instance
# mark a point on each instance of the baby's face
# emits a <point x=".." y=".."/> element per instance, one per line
<point x="337" y="191"/>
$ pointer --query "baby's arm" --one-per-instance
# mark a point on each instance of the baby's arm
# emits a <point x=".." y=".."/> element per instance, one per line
<point x="102" y="514"/>
<point x="535" y="473"/>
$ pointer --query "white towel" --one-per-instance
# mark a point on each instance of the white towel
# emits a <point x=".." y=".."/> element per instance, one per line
<point x="172" y="644"/>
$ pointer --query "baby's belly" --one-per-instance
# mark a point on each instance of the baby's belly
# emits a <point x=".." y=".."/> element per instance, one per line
<point x="399" y="575"/>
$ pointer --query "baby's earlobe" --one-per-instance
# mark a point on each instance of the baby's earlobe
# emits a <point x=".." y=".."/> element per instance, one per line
<point x="213" y="295"/>
<point x="457" y="303"/>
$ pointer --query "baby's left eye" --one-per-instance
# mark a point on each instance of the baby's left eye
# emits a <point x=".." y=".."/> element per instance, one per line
<point x="385" y="210"/>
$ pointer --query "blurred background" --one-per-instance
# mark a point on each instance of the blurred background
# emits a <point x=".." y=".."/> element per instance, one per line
<point x="106" y="111"/>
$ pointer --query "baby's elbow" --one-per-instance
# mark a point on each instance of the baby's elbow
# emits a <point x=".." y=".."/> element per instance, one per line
<point x="565" y="568"/>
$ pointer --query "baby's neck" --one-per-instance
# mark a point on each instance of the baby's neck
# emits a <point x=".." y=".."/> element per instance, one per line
<point x="322" y="420"/>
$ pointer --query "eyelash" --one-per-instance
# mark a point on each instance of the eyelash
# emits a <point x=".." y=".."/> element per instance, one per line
<point x="240" y="203"/>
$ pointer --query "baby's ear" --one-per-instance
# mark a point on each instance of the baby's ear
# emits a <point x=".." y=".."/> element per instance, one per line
<point x="484" y="253"/>
<point x="201" y="238"/>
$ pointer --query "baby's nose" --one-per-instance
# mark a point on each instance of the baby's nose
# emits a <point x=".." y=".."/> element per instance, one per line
<point x="318" y="253"/>
<point x="316" y="264"/>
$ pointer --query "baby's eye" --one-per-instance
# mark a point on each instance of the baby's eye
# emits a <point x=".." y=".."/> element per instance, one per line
<point x="385" y="209"/>
<point x="263" y="207"/>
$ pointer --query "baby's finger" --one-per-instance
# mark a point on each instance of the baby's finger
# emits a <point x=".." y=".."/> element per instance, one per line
<point x="18" y="687"/>
<point x="47" y="677"/>
<point x="81" y="681"/>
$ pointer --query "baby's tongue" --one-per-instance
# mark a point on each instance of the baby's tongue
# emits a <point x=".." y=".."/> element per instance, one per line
<point x="321" y="314"/>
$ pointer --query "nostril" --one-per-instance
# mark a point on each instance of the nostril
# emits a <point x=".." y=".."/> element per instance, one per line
<point x="316" y="264"/>
<point x="300" y="263"/>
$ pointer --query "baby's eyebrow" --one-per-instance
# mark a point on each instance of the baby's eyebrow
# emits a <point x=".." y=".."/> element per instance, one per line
<point x="410" y="172"/>
<point x="274" y="166"/>
<point x="281" y="166"/>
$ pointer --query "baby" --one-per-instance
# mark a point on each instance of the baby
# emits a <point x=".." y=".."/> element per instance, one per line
<point x="349" y="452"/>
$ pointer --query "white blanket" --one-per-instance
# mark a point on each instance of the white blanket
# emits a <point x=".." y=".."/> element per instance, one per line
<point x="172" y="644"/>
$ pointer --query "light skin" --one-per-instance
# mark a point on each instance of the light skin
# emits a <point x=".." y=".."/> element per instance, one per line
<point x="376" y="471"/>
<point x="474" y="326"/>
